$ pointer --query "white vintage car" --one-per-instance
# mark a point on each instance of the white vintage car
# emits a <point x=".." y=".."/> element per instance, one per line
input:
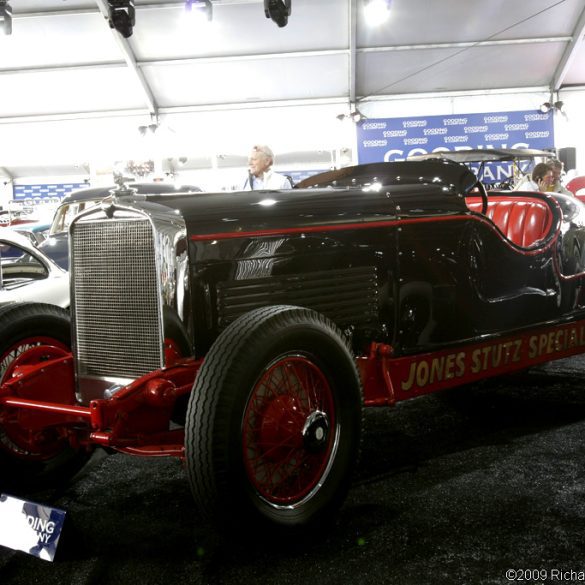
<point x="27" y="275"/>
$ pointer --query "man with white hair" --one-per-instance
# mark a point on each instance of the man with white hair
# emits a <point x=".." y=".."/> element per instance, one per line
<point x="260" y="173"/>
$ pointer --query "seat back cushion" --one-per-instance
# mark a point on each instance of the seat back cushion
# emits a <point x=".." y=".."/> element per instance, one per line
<point x="522" y="220"/>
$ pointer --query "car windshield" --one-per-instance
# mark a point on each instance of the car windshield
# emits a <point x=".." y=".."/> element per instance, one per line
<point x="67" y="212"/>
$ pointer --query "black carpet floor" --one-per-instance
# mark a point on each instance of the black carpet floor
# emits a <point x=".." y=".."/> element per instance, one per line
<point x="455" y="488"/>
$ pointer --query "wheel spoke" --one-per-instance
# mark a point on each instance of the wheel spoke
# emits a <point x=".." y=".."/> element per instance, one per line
<point x="292" y="387"/>
<point x="267" y="449"/>
<point x="281" y="474"/>
<point x="310" y="385"/>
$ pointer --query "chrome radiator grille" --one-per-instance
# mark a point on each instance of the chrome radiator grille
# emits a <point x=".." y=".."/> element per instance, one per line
<point x="116" y="299"/>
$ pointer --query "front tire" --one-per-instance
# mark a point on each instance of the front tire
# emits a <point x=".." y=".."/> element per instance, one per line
<point x="274" y="421"/>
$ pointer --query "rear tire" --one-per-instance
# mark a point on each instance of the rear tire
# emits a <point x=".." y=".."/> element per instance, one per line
<point x="274" y="421"/>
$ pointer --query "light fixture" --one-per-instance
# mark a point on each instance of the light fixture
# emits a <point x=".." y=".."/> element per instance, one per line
<point x="555" y="106"/>
<point x="122" y="16"/>
<point x="354" y="115"/>
<point x="376" y="11"/>
<point x="278" y="11"/>
<point x="6" y="16"/>
<point x="147" y="129"/>
<point x="201" y="10"/>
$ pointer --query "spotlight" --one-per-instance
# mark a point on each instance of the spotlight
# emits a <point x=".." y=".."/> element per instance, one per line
<point x="150" y="129"/>
<point x="278" y="11"/>
<point x="559" y="107"/>
<point x="376" y="11"/>
<point x="6" y="16"/>
<point x="554" y="106"/>
<point x="355" y="116"/>
<point x="122" y="16"/>
<point x="199" y="9"/>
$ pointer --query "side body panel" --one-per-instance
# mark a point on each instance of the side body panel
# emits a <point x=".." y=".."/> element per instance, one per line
<point x="347" y="276"/>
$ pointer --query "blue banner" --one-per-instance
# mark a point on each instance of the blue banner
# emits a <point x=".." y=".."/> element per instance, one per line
<point x="36" y="194"/>
<point x="394" y="139"/>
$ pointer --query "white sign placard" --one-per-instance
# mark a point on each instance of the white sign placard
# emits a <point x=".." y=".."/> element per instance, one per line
<point x="30" y="527"/>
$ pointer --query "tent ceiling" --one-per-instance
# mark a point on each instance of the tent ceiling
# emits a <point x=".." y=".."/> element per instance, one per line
<point x="63" y="59"/>
<point x="64" y="62"/>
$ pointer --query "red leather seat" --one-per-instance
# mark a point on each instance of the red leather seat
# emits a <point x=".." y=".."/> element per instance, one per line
<point x="522" y="220"/>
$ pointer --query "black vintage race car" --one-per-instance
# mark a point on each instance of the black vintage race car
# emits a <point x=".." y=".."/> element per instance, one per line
<point x="243" y="333"/>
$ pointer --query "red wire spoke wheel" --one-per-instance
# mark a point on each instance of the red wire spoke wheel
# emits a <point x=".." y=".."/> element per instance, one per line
<point x="16" y="360"/>
<point x="29" y="351"/>
<point x="35" y="449"/>
<point x="289" y="430"/>
<point x="273" y="425"/>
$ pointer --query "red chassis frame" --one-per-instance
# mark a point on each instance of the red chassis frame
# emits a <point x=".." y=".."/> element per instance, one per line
<point x="136" y="419"/>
